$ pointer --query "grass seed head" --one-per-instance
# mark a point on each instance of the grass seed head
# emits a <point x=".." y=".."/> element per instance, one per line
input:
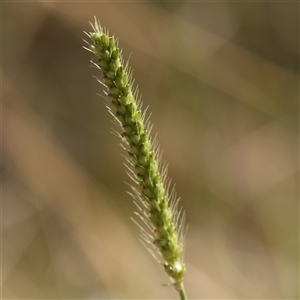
<point x="161" y="222"/>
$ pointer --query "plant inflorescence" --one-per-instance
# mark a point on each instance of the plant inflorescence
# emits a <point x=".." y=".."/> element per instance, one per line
<point x="162" y="226"/>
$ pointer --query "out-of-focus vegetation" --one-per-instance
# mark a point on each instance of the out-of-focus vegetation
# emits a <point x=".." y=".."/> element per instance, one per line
<point x="221" y="79"/>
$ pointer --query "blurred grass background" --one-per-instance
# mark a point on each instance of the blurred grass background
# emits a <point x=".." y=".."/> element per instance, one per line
<point x="222" y="81"/>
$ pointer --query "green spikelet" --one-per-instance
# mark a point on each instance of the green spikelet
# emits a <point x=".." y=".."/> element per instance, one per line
<point x="162" y="224"/>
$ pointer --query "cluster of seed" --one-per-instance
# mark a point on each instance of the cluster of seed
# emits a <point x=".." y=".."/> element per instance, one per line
<point x="157" y="211"/>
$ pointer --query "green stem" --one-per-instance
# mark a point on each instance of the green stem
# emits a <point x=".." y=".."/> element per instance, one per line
<point x="182" y="292"/>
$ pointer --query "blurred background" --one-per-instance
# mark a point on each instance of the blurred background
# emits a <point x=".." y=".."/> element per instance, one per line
<point x="222" y="82"/>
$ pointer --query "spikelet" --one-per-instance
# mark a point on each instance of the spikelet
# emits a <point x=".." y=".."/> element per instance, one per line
<point x="161" y="223"/>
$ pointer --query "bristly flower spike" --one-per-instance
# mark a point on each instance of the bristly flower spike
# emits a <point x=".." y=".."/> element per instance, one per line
<point x="162" y="225"/>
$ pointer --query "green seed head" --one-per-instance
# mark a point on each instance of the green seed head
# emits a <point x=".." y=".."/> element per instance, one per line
<point x="105" y="41"/>
<point x="163" y="220"/>
<point x="115" y="54"/>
